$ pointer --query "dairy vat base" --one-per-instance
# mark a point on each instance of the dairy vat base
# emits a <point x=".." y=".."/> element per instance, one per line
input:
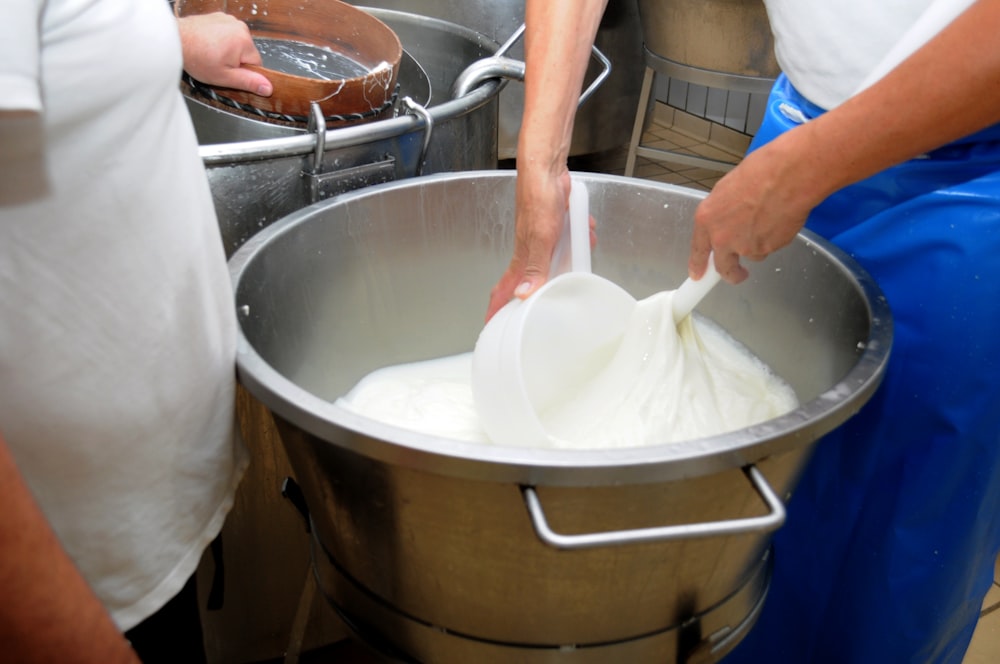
<point x="428" y="569"/>
<point x="438" y="530"/>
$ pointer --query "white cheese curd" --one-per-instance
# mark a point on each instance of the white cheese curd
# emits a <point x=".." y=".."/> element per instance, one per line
<point x="665" y="384"/>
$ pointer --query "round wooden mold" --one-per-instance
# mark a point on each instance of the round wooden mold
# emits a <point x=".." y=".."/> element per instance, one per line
<point x="368" y="45"/>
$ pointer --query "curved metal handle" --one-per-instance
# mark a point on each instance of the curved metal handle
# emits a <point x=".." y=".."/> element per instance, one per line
<point x="766" y="523"/>
<point x="504" y="68"/>
<point x="596" y="54"/>
<point x="317" y="126"/>
<point x="487" y="69"/>
<point x="418" y="110"/>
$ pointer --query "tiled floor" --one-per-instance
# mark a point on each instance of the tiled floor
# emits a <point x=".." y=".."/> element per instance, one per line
<point x="693" y="136"/>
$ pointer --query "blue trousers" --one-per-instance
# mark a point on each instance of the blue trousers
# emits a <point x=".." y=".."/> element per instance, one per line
<point x="892" y="533"/>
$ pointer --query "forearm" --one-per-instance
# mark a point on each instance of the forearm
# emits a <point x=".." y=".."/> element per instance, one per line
<point x="948" y="89"/>
<point x="558" y="38"/>
<point x="48" y="614"/>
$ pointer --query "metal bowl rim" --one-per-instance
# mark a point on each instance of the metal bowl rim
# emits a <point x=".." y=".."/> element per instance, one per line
<point x="653" y="463"/>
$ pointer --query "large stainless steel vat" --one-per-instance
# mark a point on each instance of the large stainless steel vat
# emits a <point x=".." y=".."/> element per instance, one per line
<point x="456" y="552"/>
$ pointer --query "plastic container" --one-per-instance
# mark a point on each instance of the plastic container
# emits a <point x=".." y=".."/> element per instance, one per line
<point x="534" y="351"/>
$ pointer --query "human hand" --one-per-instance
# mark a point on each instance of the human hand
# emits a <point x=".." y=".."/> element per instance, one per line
<point x="215" y="47"/>
<point x="542" y="205"/>
<point x="754" y="210"/>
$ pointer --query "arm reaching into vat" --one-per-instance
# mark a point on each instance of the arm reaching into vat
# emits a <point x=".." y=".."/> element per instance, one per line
<point x="760" y="205"/>
<point x="557" y="41"/>
<point x="901" y="177"/>
<point x="49" y="614"/>
<point x="216" y="46"/>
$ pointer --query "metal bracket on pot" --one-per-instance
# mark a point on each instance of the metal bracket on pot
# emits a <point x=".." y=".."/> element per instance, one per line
<point x="324" y="185"/>
<point x="504" y="68"/>
<point x="317" y="126"/>
<point x="771" y="521"/>
<point x="418" y="110"/>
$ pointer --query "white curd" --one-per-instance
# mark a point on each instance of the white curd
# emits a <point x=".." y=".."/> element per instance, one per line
<point x="666" y="383"/>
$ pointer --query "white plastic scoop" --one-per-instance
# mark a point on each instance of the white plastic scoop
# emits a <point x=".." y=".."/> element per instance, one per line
<point x="534" y="351"/>
<point x="530" y="350"/>
<point x="691" y="292"/>
<point x="572" y="253"/>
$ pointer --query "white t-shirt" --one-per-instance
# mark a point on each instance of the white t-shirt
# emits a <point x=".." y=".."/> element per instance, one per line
<point x="117" y="328"/>
<point x="832" y="50"/>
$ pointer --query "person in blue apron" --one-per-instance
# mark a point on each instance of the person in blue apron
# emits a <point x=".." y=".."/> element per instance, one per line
<point x="892" y="533"/>
<point x="894" y="528"/>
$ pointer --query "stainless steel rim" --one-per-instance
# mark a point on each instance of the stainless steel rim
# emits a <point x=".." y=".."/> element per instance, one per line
<point x="655" y="463"/>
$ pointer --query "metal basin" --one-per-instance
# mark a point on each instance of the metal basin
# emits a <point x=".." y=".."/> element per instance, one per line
<point x="454" y="552"/>
<point x="259" y="172"/>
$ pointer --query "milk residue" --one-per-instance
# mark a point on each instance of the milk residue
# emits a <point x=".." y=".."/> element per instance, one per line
<point x="664" y="384"/>
<point x="308" y="60"/>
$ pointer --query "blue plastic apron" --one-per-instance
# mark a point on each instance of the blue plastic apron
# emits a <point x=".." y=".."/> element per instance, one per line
<point x="892" y="534"/>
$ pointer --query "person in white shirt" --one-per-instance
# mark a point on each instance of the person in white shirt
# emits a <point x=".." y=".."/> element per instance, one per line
<point x="882" y="136"/>
<point x="117" y="328"/>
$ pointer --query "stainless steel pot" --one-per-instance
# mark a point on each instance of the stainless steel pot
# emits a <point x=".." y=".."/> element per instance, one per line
<point x="259" y="172"/>
<point x="456" y="552"/>
<point x="605" y="121"/>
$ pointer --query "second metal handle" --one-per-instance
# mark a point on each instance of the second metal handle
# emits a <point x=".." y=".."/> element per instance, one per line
<point x="500" y="67"/>
<point x="771" y="521"/>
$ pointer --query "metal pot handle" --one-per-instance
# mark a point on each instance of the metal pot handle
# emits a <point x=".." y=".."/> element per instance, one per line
<point x="498" y="66"/>
<point x="771" y="521"/>
<point x="414" y="108"/>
